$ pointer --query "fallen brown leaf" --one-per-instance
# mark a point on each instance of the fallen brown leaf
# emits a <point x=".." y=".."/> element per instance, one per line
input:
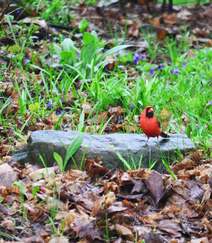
<point x="154" y="183"/>
<point x="134" y="30"/>
<point x="172" y="228"/>
<point x="170" y="19"/>
<point x="85" y="228"/>
<point x="161" y="34"/>
<point x="94" y="168"/>
<point x="124" y="231"/>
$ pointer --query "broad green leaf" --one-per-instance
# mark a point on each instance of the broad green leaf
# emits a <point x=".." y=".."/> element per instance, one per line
<point x="67" y="44"/>
<point x="68" y="57"/>
<point x="91" y="44"/>
<point x="83" y="25"/>
<point x="72" y="149"/>
<point x="59" y="161"/>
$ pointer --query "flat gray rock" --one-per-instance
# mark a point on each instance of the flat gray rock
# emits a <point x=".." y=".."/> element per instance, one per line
<point x="132" y="147"/>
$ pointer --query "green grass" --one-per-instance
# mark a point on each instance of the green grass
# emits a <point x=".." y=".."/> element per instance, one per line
<point x="185" y="93"/>
<point x="184" y="2"/>
<point x="56" y="82"/>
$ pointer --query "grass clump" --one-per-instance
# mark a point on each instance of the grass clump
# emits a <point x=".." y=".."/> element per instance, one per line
<point x="72" y="74"/>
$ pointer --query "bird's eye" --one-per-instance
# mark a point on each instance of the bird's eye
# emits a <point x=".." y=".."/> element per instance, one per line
<point x="150" y="113"/>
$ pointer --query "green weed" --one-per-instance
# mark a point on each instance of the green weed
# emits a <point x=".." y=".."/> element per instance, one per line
<point x="169" y="170"/>
<point x="71" y="150"/>
<point x="22" y="194"/>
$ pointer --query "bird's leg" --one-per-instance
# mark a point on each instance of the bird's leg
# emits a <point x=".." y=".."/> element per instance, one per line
<point x="146" y="144"/>
<point x="158" y="143"/>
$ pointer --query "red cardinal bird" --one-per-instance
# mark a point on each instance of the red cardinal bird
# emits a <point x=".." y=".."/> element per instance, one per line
<point x="150" y="125"/>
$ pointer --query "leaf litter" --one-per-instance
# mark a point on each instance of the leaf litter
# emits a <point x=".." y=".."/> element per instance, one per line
<point x="104" y="20"/>
<point x="98" y="204"/>
<point x="83" y="205"/>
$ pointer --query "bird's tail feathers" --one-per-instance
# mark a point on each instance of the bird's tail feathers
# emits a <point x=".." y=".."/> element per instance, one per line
<point x="164" y="135"/>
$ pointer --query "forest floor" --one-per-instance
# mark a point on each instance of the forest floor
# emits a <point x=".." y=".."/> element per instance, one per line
<point x="94" y="69"/>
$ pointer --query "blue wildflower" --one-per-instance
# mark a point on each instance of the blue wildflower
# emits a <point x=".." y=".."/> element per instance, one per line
<point x="143" y="56"/>
<point x="175" y="71"/>
<point x="58" y="111"/>
<point x="152" y="71"/>
<point x="160" y="67"/>
<point x="49" y="105"/>
<point x="184" y="65"/>
<point x="136" y="58"/>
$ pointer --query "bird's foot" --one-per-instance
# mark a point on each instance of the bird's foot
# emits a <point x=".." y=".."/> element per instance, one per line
<point x="158" y="143"/>
<point x="146" y="145"/>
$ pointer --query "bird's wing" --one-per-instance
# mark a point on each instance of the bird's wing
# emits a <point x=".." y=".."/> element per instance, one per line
<point x="158" y="123"/>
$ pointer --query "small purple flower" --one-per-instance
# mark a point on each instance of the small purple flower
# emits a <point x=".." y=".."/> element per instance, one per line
<point x="136" y="58"/>
<point x="184" y="65"/>
<point x="58" y="111"/>
<point x="175" y="71"/>
<point x="143" y="57"/>
<point x="160" y="67"/>
<point x="152" y="71"/>
<point x="49" y="105"/>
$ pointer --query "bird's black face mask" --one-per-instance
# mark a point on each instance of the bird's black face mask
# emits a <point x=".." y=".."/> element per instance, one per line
<point x="149" y="112"/>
